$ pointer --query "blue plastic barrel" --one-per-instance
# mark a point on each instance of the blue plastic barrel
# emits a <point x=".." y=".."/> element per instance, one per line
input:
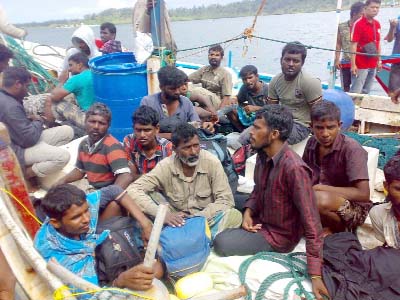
<point x="120" y="83"/>
<point x="345" y="104"/>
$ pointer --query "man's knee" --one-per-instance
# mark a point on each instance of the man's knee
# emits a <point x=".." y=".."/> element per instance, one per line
<point x="328" y="202"/>
<point x="223" y="242"/>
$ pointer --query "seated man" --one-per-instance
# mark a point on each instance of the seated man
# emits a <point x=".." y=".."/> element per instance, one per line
<point x="340" y="171"/>
<point x="100" y="156"/>
<point x="83" y="41"/>
<point x="385" y="217"/>
<point x="252" y="96"/>
<point x="35" y="147"/>
<point x="169" y="104"/>
<point x="81" y="85"/>
<point x="108" y="31"/>
<point x="215" y="78"/>
<point x="69" y="232"/>
<point x="143" y="147"/>
<point x="295" y="89"/>
<point x="282" y="207"/>
<point x="201" y="100"/>
<point x="194" y="182"/>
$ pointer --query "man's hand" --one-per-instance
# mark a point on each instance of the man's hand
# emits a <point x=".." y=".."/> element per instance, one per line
<point x="251" y="108"/>
<point x="139" y="278"/>
<point x="379" y="66"/>
<point x="150" y="4"/>
<point x="354" y="70"/>
<point x="395" y="96"/>
<point x="146" y="232"/>
<point x="175" y="219"/>
<point x="247" y="223"/>
<point x="337" y="64"/>
<point x="319" y="288"/>
<point x="35" y="117"/>
<point x="208" y="126"/>
<point x="393" y="23"/>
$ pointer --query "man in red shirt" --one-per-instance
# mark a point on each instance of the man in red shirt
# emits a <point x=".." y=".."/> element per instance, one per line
<point x="282" y="207"/>
<point x="365" y="38"/>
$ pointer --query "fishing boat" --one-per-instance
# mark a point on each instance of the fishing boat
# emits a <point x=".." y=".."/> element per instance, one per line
<point x="18" y="224"/>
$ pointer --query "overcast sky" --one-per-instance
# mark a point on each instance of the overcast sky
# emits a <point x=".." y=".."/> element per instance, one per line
<point x="23" y="11"/>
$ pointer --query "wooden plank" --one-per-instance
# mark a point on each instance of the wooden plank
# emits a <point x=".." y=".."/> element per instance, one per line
<point x="380" y="103"/>
<point x="378" y="117"/>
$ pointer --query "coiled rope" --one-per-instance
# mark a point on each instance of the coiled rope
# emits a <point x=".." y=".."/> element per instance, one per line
<point x="297" y="271"/>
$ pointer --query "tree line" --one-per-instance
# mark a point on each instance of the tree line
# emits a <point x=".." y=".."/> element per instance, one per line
<point x="213" y="11"/>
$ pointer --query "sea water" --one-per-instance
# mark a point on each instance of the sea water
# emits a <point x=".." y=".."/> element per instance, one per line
<point x="315" y="29"/>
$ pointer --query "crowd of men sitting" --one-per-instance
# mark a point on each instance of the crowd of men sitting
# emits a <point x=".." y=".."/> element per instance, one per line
<point x="326" y="191"/>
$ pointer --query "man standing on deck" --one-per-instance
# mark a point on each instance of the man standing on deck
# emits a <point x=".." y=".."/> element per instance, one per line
<point x="215" y="78"/>
<point x="394" y="34"/>
<point x="295" y="89"/>
<point x="343" y="43"/>
<point x="282" y="207"/>
<point x="365" y="38"/>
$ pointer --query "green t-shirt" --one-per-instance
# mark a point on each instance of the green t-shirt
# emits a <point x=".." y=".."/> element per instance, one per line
<point x="298" y="95"/>
<point x="81" y="85"/>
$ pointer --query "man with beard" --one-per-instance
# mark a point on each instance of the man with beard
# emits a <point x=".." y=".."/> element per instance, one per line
<point x="295" y="90"/>
<point x="101" y="157"/>
<point x="385" y="217"/>
<point x="194" y="183"/>
<point x="81" y="85"/>
<point x="340" y="171"/>
<point x="215" y="78"/>
<point x="143" y="147"/>
<point x="171" y="107"/>
<point x="282" y="207"/>
<point x="35" y="147"/>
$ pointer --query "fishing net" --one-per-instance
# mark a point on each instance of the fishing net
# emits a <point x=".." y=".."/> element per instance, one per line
<point x="43" y="80"/>
<point x="387" y="146"/>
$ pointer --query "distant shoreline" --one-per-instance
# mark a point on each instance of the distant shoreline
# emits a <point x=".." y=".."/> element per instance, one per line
<point x="212" y="12"/>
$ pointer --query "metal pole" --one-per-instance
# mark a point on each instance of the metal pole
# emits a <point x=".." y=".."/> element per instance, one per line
<point x="332" y="66"/>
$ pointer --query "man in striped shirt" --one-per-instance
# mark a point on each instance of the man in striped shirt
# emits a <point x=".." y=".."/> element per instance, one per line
<point x="282" y="207"/>
<point x="101" y="157"/>
<point x="143" y="147"/>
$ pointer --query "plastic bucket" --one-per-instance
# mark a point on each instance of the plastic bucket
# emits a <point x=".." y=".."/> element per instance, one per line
<point x="120" y="83"/>
<point x="345" y="104"/>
